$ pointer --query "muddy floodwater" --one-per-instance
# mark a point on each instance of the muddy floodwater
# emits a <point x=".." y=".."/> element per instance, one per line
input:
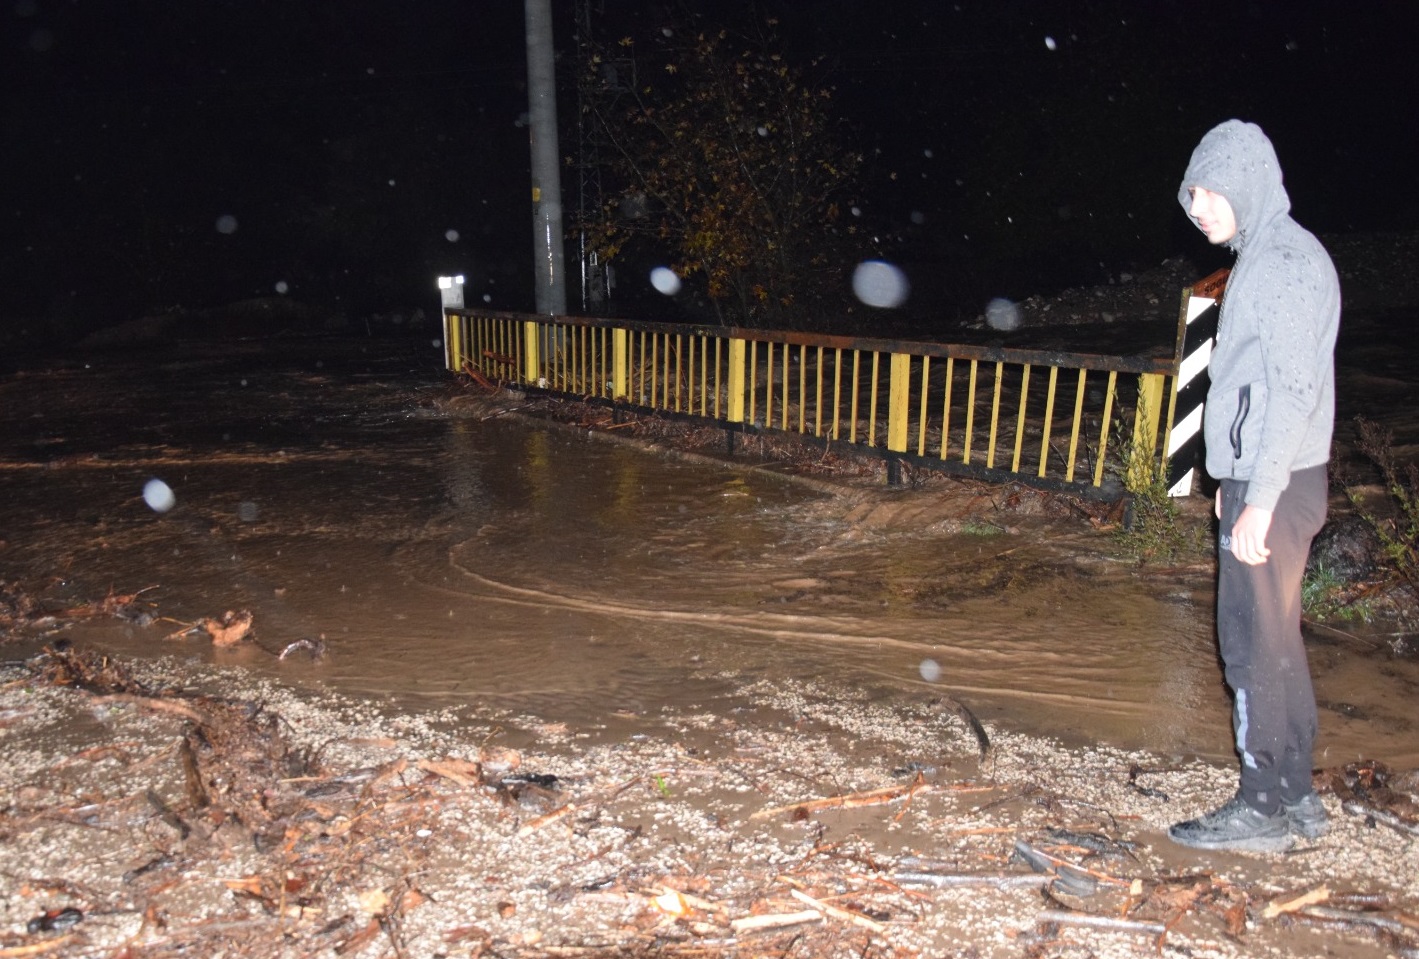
<point x="444" y="556"/>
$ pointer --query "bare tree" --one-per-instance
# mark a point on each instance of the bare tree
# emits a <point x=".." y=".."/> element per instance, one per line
<point x="720" y="155"/>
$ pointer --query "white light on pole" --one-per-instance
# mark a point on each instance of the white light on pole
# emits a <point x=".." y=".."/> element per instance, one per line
<point x="451" y="290"/>
<point x="451" y="295"/>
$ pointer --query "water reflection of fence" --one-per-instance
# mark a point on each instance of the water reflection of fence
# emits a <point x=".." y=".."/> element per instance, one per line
<point x="1052" y="418"/>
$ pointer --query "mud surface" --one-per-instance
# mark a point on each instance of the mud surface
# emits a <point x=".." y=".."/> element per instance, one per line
<point x="683" y="646"/>
<point x="439" y="549"/>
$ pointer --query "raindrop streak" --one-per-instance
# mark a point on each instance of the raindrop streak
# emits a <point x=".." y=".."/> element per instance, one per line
<point x="159" y="496"/>
<point x="664" y="279"/>
<point x="881" y="284"/>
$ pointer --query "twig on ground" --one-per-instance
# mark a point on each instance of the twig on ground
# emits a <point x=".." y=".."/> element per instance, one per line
<point x="528" y="828"/>
<point x="846" y="915"/>
<point x="36" y="948"/>
<point x="1093" y="921"/>
<point x="1310" y="898"/>
<point x="872" y="797"/>
<point x="779" y="920"/>
<point x="998" y="880"/>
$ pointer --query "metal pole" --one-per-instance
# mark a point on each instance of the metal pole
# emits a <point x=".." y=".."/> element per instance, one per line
<point x="547" y="253"/>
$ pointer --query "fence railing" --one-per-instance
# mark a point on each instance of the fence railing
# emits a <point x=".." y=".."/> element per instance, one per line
<point x="1050" y="418"/>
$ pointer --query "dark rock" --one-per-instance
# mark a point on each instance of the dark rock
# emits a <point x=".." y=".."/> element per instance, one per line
<point x="1347" y="548"/>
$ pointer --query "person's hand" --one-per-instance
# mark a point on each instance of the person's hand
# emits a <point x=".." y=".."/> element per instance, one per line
<point x="1249" y="535"/>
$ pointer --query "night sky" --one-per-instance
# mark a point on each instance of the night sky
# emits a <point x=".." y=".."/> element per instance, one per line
<point x="161" y="155"/>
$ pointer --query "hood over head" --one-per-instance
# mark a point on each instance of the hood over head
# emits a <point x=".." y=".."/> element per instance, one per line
<point x="1236" y="160"/>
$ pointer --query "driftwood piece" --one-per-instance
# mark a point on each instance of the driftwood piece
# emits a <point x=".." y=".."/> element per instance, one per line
<point x="37" y="948"/>
<point x="872" y="797"/>
<point x="461" y="771"/>
<point x="1403" y="925"/>
<point x="777" y="920"/>
<point x="476" y="375"/>
<point x="1311" y="897"/>
<point x="528" y="828"/>
<point x="1066" y="918"/>
<point x="1043" y="861"/>
<point x="1382" y="816"/>
<point x="846" y="915"/>
<point x="997" y="880"/>
<point x="157" y="705"/>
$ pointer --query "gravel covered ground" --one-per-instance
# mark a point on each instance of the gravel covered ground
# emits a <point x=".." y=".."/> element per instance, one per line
<point x="144" y="819"/>
<point x="167" y="808"/>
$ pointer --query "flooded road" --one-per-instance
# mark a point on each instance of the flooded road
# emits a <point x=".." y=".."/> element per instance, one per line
<point x="446" y="557"/>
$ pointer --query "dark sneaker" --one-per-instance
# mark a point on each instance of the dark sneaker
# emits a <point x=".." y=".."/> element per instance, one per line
<point x="1306" y="817"/>
<point x="1235" y="826"/>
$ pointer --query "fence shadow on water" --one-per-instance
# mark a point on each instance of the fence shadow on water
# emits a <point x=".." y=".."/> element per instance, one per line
<point x="1050" y="418"/>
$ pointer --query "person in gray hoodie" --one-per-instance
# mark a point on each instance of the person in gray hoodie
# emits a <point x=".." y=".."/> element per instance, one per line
<point x="1267" y="430"/>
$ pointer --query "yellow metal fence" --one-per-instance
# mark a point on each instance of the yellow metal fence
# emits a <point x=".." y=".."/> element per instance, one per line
<point x="1048" y="417"/>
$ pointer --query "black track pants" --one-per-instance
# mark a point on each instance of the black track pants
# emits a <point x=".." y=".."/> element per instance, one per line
<point x="1259" y="631"/>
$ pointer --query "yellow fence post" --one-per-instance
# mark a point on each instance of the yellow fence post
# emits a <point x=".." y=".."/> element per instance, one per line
<point x="1146" y="421"/>
<point x="898" y="391"/>
<point x="452" y="330"/>
<point x="735" y="399"/>
<point x="620" y="362"/>
<point x="646" y="365"/>
<point x="531" y="352"/>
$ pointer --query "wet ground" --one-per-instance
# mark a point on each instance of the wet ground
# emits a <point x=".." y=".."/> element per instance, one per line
<point x="445" y="557"/>
<point x="581" y="697"/>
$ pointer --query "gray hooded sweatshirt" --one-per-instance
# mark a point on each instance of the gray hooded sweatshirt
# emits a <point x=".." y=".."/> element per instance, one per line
<point x="1271" y="406"/>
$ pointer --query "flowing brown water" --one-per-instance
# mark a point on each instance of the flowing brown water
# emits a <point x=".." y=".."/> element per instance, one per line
<point x="447" y="558"/>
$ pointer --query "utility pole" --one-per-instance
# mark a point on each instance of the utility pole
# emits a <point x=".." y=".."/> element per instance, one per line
<point x="547" y="253"/>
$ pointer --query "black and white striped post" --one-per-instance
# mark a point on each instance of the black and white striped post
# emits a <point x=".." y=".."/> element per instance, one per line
<point x="1197" y="329"/>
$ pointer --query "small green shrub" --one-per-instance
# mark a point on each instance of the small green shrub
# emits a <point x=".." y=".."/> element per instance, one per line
<point x="1398" y="531"/>
<point x="1324" y="595"/>
<point x="1156" y="529"/>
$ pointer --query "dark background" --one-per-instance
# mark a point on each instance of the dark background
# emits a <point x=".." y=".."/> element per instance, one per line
<point x="347" y="140"/>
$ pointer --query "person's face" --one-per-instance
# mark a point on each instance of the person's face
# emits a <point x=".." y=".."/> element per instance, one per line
<point x="1214" y="214"/>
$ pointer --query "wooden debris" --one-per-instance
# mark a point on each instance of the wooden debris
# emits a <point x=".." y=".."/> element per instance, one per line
<point x="959" y="709"/>
<point x="1317" y="895"/>
<point x="230" y="629"/>
<point x="479" y="380"/>
<point x="779" y="920"/>
<point x="1093" y="921"/>
<point x="1395" y="925"/>
<point x="529" y="828"/>
<point x="335" y="854"/>
<point x="872" y="797"/>
<point x="846" y="915"/>
<point x="461" y="771"/>
<point x="156" y="704"/>
<point x="997" y="880"/>
<point x="1080" y="879"/>
<point x="37" y="948"/>
<point x="1367" y="788"/>
<point x="1382" y="816"/>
